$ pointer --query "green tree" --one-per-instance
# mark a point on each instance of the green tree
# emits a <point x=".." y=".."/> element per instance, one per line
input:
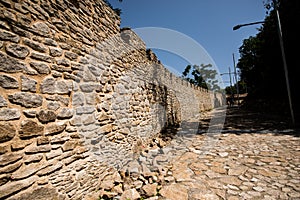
<point x="260" y="60"/>
<point x="202" y="76"/>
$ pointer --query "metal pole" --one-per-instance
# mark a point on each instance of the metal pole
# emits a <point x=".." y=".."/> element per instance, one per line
<point x="232" y="95"/>
<point x="284" y="63"/>
<point x="236" y="80"/>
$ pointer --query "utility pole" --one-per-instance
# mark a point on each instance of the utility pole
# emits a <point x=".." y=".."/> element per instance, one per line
<point x="236" y="81"/>
<point x="282" y="54"/>
<point x="284" y="61"/>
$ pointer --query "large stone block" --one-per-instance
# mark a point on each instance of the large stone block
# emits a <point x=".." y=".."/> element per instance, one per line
<point x="10" y="65"/>
<point x="65" y="113"/>
<point x="15" y="186"/>
<point x="46" y="116"/>
<point x="30" y="128"/>
<point x="28" y="84"/>
<point x="8" y="82"/>
<point x="9" y="36"/>
<point x="51" y="86"/>
<point x="17" y="51"/>
<point x="9" y="158"/>
<point x="25" y="99"/>
<point x="3" y="102"/>
<point x="9" y="114"/>
<point x="7" y="131"/>
<point x="40" y="67"/>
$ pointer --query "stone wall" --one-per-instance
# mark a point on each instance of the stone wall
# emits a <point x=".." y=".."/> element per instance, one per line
<point x="77" y="97"/>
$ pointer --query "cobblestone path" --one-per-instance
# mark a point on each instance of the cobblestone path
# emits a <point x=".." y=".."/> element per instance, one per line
<point x="244" y="166"/>
<point x="240" y="163"/>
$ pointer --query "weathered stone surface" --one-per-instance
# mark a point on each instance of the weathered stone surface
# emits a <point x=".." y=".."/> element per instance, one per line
<point x="4" y="178"/>
<point x="8" y="82"/>
<point x="3" y="102"/>
<point x="53" y="154"/>
<point x="28" y="84"/>
<point x="70" y="145"/>
<point x="15" y="186"/>
<point x="50" y="169"/>
<point x="55" y="52"/>
<point x="150" y="189"/>
<point x="65" y="113"/>
<point x="38" y="149"/>
<point x="46" y="116"/>
<point x="26" y="170"/>
<point x="88" y="87"/>
<point x="9" y="36"/>
<point x="63" y="62"/>
<point x="106" y="128"/>
<point x="53" y="105"/>
<point x="30" y="128"/>
<point x="17" y="51"/>
<point x="63" y="87"/>
<point x="10" y="65"/>
<point x="11" y="167"/>
<point x="9" y="158"/>
<point x="50" y="42"/>
<point x="9" y="114"/>
<point x="43" y="140"/>
<point x="78" y="99"/>
<point x="41" y="193"/>
<point x="51" y="86"/>
<point x="71" y="55"/>
<point x="85" y="110"/>
<point x="29" y="113"/>
<point x="26" y="99"/>
<point x="4" y="149"/>
<point x="35" y="45"/>
<point x="55" y="129"/>
<point x="41" y="68"/>
<point x="48" y="86"/>
<point x="131" y="194"/>
<point x="18" y="145"/>
<point x="7" y="131"/>
<point x="41" y="28"/>
<point x="174" y="192"/>
<point x="41" y="57"/>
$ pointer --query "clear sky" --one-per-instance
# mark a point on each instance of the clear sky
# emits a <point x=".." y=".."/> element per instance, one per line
<point x="207" y="22"/>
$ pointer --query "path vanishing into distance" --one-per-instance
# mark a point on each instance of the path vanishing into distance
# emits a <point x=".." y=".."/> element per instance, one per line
<point x="254" y="157"/>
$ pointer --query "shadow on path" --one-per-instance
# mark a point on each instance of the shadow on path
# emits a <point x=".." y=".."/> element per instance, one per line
<point x="239" y="120"/>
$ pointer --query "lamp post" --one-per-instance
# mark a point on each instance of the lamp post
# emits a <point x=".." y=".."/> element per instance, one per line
<point x="282" y="54"/>
<point x="241" y="25"/>
<point x="229" y="73"/>
<point x="236" y="81"/>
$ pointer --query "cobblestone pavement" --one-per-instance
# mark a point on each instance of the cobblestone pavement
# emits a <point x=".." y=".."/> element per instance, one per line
<point x="240" y="163"/>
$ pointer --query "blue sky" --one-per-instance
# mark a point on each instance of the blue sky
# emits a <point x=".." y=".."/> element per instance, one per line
<point x="208" y="22"/>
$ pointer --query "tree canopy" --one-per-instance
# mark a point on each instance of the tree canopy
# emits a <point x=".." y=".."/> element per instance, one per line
<point x="203" y="76"/>
<point x="261" y="62"/>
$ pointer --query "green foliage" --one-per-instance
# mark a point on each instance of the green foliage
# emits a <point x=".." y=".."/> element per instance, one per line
<point x="202" y="76"/>
<point x="261" y="62"/>
<point x="233" y="89"/>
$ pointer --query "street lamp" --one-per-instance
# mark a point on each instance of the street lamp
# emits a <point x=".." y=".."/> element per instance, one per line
<point x="229" y="73"/>
<point x="282" y="54"/>
<point x="241" y="25"/>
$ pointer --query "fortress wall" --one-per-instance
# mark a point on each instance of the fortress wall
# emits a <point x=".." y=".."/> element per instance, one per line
<point x="78" y="96"/>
